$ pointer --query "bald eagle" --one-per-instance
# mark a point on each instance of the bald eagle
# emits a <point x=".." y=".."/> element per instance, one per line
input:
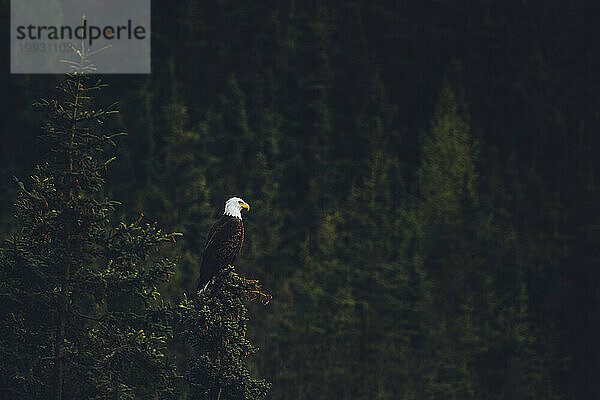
<point x="224" y="241"/>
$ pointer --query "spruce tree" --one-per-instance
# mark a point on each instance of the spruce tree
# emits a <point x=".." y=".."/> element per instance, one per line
<point x="214" y="323"/>
<point x="81" y="311"/>
<point x="447" y="222"/>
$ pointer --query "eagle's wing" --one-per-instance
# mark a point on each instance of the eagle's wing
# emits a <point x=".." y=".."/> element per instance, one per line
<point x="222" y="246"/>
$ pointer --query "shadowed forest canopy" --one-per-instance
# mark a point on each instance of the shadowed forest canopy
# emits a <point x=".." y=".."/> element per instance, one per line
<point x="422" y="177"/>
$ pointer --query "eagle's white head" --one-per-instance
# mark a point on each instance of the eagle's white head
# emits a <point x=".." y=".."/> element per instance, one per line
<point x="233" y="207"/>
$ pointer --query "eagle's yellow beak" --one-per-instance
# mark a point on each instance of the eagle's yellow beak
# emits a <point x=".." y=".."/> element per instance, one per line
<point x="246" y="206"/>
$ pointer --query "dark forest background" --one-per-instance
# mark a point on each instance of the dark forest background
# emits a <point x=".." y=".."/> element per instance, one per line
<point x="422" y="178"/>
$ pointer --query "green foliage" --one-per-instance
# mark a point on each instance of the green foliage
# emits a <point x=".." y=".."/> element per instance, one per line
<point x="183" y="195"/>
<point x="214" y="323"/>
<point x="82" y="316"/>
<point x="447" y="174"/>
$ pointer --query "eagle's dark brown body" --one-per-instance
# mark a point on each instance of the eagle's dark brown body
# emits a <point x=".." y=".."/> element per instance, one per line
<point x="223" y="244"/>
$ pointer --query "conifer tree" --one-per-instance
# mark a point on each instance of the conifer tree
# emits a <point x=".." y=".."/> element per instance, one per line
<point x="184" y="191"/>
<point x="215" y="323"/>
<point x="81" y="312"/>
<point x="445" y="259"/>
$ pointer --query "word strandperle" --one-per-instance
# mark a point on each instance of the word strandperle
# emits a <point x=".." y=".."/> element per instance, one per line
<point x="82" y="32"/>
